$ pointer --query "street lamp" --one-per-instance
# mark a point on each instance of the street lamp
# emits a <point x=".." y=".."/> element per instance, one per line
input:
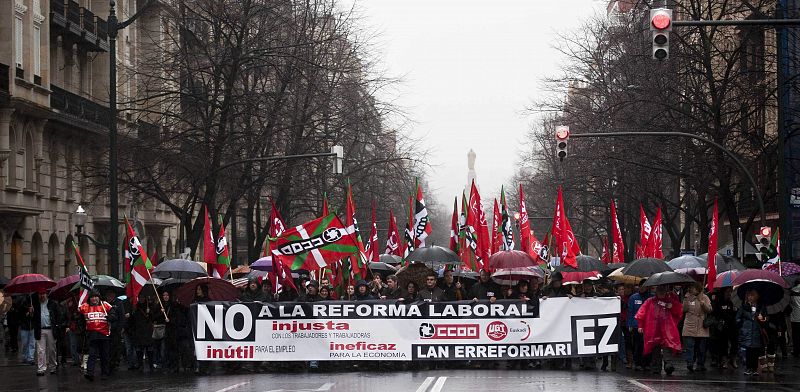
<point x="79" y="217"/>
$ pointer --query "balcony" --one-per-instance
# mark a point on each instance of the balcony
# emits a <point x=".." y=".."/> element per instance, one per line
<point x="72" y="20"/>
<point x="5" y="82"/>
<point x="80" y="107"/>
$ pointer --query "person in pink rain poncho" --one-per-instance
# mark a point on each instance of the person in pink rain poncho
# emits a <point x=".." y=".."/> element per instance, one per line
<point x="658" y="321"/>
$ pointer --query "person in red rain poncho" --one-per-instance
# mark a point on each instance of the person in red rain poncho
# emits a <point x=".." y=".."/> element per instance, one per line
<point x="97" y="317"/>
<point x="658" y="321"/>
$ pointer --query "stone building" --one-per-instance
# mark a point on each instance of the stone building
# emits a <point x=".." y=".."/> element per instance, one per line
<point x="54" y="118"/>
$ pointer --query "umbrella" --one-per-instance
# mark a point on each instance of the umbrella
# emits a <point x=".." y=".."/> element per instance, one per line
<point x="578" y="277"/>
<point x="461" y="273"/>
<point x="382" y="267"/>
<point x="771" y="292"/>
<point x="240" y="270"/>
<point x="643" y="268"/>
<point x="723" y="263"/>
<point x="786" y="269"/>
<point x="63" y="287"/>
<point x="390" y="259"/>
<point x="769" y="285"/>
<point x="29" y="283"/>
<point x="262" y="264"/>
<point x="725" y="279"/>
<point x="511" y="276"/>
<point x="179" y="268"/>
<point x="255" y="274"/>
<point x="585" y="264"/>
<point x="150" y="287"/>
<point x="434" y="255"/>
<point x="218" y="290"/>
<point x="667" y="278"/>
<point x="3" y="281"/>
<point x="618" y="276"/>
<point x="688" y="264"/>
<point x="609" y="268"/>
<point x="505" y="259"/>
<point x="240" y="283"/>
<point x="412" y="273"/>
<point x="105" y="282"/>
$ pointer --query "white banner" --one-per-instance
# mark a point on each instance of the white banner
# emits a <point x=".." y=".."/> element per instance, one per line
<point x="382" y="330"/>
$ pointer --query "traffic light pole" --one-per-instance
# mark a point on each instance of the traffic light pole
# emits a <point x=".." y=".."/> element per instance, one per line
<point x="733" y="156"/>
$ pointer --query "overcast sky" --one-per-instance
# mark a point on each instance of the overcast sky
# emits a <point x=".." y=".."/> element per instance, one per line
<point x="469" y="69"/>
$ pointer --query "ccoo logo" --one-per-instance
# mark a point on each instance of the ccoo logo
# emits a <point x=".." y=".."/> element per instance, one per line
<point x="496" y="330"/>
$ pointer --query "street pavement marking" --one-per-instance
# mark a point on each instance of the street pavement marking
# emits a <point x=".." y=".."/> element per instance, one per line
<point x="439" y="384"/>
<point x="325" y="387"/>
<point x="425" y="384"/>
<point x="640" y="385"/>
<point x="232" y="387"/>
<point x="718" y="381"/>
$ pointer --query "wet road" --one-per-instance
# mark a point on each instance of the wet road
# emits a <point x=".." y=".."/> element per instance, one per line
<point x="16" y="377"/>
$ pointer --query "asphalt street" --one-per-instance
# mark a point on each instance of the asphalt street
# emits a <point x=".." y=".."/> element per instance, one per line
<point x="19" y="377"/>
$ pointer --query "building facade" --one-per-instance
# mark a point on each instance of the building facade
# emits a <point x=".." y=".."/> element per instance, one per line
<point x="54" y="121"/>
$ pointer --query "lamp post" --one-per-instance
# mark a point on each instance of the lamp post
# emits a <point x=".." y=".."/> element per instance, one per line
<point x="79" y="217"/>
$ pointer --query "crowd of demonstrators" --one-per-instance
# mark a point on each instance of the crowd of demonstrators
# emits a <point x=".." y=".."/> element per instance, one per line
<point x="657" y="325"/>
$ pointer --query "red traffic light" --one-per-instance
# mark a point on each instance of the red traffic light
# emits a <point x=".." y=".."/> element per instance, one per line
<point x="661" y="20"/>
<point x="765" y="231"/>
<point x="562" y="133"/>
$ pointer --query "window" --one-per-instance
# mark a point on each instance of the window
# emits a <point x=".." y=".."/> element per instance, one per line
<point x="18" y="40"/>
<point x="37" y="43"/>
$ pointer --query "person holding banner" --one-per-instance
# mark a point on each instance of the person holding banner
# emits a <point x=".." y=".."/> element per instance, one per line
<point x="431" y="293"/>
<point x="658" y="323"/>
<point x="485" y="288"/>
<point x="98" y="329"/>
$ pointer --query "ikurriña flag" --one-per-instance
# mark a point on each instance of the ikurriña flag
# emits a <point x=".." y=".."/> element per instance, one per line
<point x="140" y="265"/>
<point x="315" y="244"/>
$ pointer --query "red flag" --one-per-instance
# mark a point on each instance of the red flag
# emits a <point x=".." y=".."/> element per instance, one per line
<point x="209" y="245"/>
<point x="393" y="243"/>
<point x="654" y="245"/>
<point x="477" y="219"/>
<point x="605" y="258"/>
<point x="371" y="247"/>
<point x="325" y="211"/>
<point x="154" y="259"/>
<point x="644" y="233"/>
<point x="422" y="224"/>
<point x="712" y="249"/>
<point x="281" y="276"/>
<point x="497" y="235"/>
<point x="617" y="244"/>
<point x="566" y="245"/>
<point x="276" y="227"/>
<point x="524" y="223"/>
<point x="454" y="228"/>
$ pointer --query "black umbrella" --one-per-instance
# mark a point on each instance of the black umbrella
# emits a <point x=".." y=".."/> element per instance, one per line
<point x="390" y="259"/>
<point x="667" y="278"/>
<point x="180" y="269"/>
<point x="382" y="267"/>
<point x="434" y="255"/>
<point x="723" y="263"/>
<point x="646" y="267"/>
<point x="105" y="282"/>
<point x="609" y="268"/>
<point x="585" y="264"/>
<point x="461" y="273"/>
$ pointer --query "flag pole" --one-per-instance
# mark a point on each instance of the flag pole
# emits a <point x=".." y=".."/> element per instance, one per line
<point x="158" y="297"/>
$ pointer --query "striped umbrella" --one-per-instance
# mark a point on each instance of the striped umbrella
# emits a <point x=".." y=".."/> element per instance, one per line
<point x="726" y="279"/>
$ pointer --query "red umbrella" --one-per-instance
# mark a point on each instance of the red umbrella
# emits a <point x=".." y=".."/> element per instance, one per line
<point x="759" y="275"/>
<point x="511" y="276"/>
<point x="61" y="290"/>
<point x="510" y="259"/>
<point x="29" y="283"/>
<point x="579" y="277"/>
<point x="218" y="290"/>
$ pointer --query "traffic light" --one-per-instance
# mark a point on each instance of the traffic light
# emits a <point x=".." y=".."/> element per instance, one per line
<point x="763" y="243"/>
<point x="661" y="25"/>
<point x="562" y="136"/>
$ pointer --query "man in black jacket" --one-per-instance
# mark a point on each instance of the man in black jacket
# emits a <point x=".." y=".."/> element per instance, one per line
<point x="48" y="326"/>
<point x="485" y="288"/>
<point x="392" y="291"/>
<point x="451" y="291"/>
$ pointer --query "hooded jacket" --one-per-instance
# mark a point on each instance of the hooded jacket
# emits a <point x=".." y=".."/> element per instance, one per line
<point x="363" y="297"/>
<point x="659" y="324"/>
